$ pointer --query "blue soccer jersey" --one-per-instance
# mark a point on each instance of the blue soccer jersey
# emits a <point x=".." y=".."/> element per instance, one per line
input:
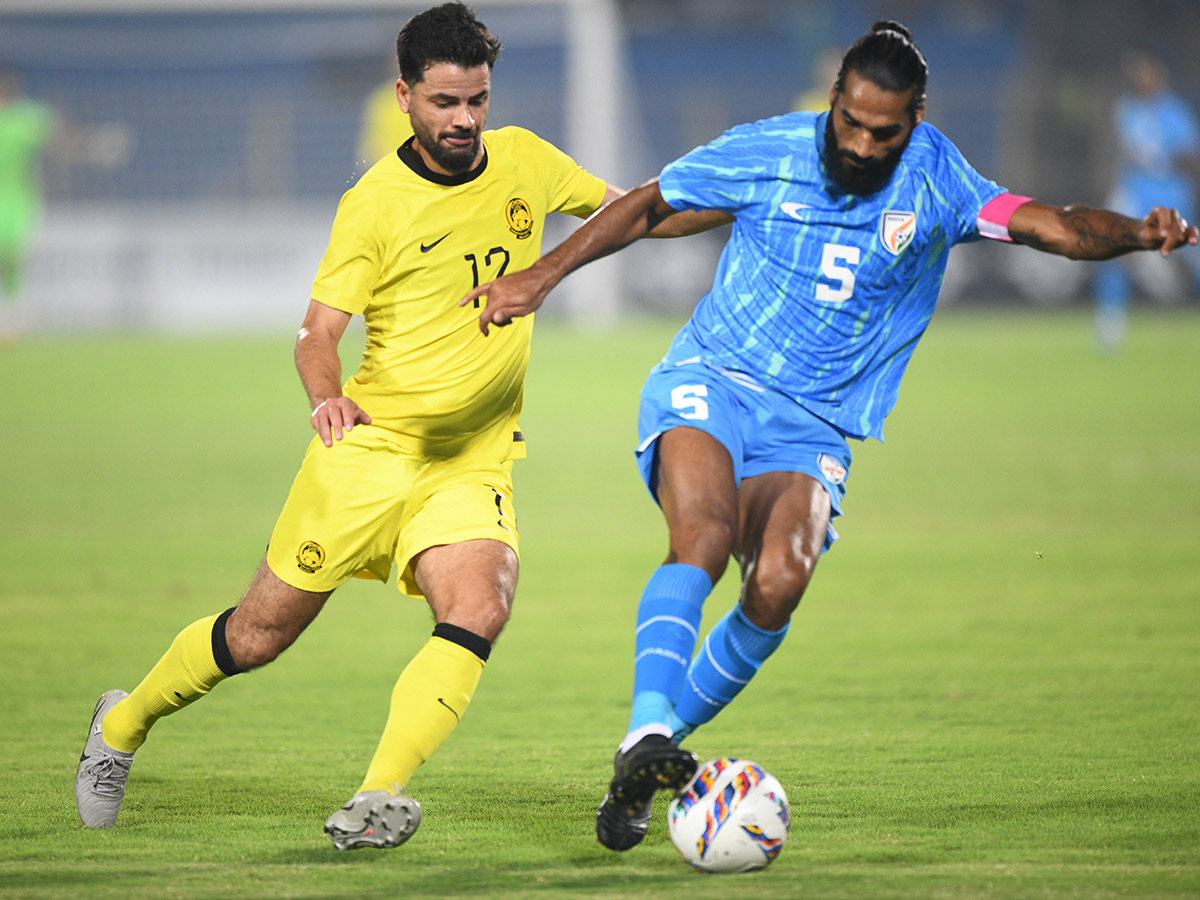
<point x="821" y="294"/>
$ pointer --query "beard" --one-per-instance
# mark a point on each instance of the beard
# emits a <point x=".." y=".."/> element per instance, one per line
<point x="454" y="160"/>
<point x="855" y="175"/>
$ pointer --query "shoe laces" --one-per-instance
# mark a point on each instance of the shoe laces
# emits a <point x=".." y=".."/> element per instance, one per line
<point x="108" y="775"/>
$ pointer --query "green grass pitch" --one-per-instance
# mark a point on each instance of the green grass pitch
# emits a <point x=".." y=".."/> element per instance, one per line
<point x="990" y="691"/>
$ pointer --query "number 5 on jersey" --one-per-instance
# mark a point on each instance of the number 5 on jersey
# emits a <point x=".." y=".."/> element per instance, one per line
<point x="688" y="398"/>
<point x="832" y="257"/>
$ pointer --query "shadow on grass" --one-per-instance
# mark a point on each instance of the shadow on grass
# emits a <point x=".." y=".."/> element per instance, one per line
<point x="579" y="875"/>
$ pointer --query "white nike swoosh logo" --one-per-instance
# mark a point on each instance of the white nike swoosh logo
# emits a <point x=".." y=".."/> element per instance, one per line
<point x="793" y="209"/>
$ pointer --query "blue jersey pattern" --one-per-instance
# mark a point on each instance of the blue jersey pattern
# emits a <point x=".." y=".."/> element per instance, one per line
<point x="820" y="294"/>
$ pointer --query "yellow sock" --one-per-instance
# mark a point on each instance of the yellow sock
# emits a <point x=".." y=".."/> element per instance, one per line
<point x="186" y="672"/>
<point x="430" y="697"/>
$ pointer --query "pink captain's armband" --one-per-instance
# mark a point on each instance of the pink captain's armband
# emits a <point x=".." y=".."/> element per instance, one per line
<point x="994" y="217"/>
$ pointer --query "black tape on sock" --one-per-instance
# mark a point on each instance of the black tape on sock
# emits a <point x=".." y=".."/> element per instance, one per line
<point x="220" y="647"/>
<point x="481" y="647"/>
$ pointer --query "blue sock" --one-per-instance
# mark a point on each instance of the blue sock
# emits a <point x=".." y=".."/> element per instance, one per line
<point x="668" y="623"/>
<point x="732" y="652"/>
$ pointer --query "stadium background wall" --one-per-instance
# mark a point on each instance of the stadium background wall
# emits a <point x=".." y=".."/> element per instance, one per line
<point x="243" y="119"/>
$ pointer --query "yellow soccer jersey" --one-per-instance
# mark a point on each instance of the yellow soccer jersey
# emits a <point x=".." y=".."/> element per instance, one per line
<point x="407" y="244"/>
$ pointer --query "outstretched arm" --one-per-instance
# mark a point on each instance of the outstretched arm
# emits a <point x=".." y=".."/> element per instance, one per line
<point x="689" y="221"/>
<point x="617" y="225"/>
<point x="679" y="223"/>
<point x="1079" y="232"/>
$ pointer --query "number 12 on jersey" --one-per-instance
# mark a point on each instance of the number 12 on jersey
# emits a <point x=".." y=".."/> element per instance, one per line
<point x="498" y="252"/>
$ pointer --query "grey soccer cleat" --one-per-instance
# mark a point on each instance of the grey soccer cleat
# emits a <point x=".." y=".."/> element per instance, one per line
<point x="103" y="771"/>
<point x="378" y="819"/>
<point x="652" y="764"/>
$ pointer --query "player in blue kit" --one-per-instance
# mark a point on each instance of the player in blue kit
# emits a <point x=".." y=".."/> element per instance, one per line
<point x="842" y="223"/>
<point x="1158" y="142"/>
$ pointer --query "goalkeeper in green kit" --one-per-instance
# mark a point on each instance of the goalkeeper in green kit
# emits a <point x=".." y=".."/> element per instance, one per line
<point x="25" y="129"/>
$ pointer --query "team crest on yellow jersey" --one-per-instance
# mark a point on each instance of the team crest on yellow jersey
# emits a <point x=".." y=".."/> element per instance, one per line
<point x="896" y="230"/>
<point x="520" y="218"/>
<point x="311" y="556"/>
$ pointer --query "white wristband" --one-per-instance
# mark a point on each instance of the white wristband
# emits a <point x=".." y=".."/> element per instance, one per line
<point x="315" y="411"/>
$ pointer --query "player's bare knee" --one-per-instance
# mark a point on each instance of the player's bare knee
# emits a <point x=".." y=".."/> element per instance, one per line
<point x="495" y="617"/>
<point x="483" y="616"/>
<point x="705" y="543"/>
<point x="496" y="607"/>
<point x="482" y="606"/>
<point x="774" y="588"/>
<point x="252" y="649"/>
<point x="254" y="644"/>
<point x="506" y="585"/>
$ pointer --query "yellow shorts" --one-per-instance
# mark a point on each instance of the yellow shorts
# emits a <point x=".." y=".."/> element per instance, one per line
<point x="362" y="504"/>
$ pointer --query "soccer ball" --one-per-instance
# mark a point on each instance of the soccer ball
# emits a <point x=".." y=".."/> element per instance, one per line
<point x="731" y="817"/>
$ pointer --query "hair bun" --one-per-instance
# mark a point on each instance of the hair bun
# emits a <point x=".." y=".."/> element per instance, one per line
<point x="889" y="25"/>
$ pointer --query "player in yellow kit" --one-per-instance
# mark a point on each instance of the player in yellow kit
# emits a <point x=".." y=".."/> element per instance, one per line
<point x="412" y="459"/>
<point x="443" y="405"/>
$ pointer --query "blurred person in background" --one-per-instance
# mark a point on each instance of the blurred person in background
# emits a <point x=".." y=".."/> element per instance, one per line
<point x="1158" y="144"/>
<point x="29" y="131"/>
<point x="842" y="226"/>
<point x="383" y="125"/>
<point x="26" y="127"/>
<point x="824" y="71"/>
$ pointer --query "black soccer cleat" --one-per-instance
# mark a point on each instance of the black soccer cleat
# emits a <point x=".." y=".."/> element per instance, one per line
<point x="652" y="764"/>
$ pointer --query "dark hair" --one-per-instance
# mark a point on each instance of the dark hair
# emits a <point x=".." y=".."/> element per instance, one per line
<point x="888" y="57"/>
<point x="447" y="33"/>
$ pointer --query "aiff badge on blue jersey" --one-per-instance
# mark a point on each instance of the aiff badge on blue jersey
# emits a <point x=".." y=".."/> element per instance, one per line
<point x="896" y="230"/>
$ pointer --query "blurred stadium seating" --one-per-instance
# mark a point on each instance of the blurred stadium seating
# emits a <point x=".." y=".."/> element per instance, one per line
<point x="244" y="119"/>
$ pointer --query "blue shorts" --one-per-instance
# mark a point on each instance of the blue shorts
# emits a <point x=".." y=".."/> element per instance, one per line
<point x="763" y="430"/>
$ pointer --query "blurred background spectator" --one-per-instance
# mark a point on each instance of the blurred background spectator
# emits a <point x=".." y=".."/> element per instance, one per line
<point x="25" y="129"/>
<point x="825" y="67"/>
<point x="383" y="126"/>
<point x="1158" y="141"/>
<point x="28" y="129"/>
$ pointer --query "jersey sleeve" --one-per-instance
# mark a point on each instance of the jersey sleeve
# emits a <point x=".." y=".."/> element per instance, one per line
<point x="570" y="189"/>
<point x="964" y="191"/>
<point x="349" y="270"/>
<point x="717" y="175"/>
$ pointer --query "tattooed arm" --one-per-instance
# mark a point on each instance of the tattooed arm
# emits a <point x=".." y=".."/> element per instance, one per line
<point x="1079" y="232"/>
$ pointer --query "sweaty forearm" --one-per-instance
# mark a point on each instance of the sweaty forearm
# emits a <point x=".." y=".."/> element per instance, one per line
<point x="687" y="222"/>
<point x="1080" y="232"/>
<point x="318" y="365"/>
<point x="618" y="225"/>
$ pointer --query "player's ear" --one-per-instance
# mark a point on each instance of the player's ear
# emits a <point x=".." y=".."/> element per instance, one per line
<point x="403" y="94"/>
<point x="919" y="115"/>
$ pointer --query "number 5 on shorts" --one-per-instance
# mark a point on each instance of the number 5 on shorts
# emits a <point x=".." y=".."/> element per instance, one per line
<point x="687" y="398"/>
